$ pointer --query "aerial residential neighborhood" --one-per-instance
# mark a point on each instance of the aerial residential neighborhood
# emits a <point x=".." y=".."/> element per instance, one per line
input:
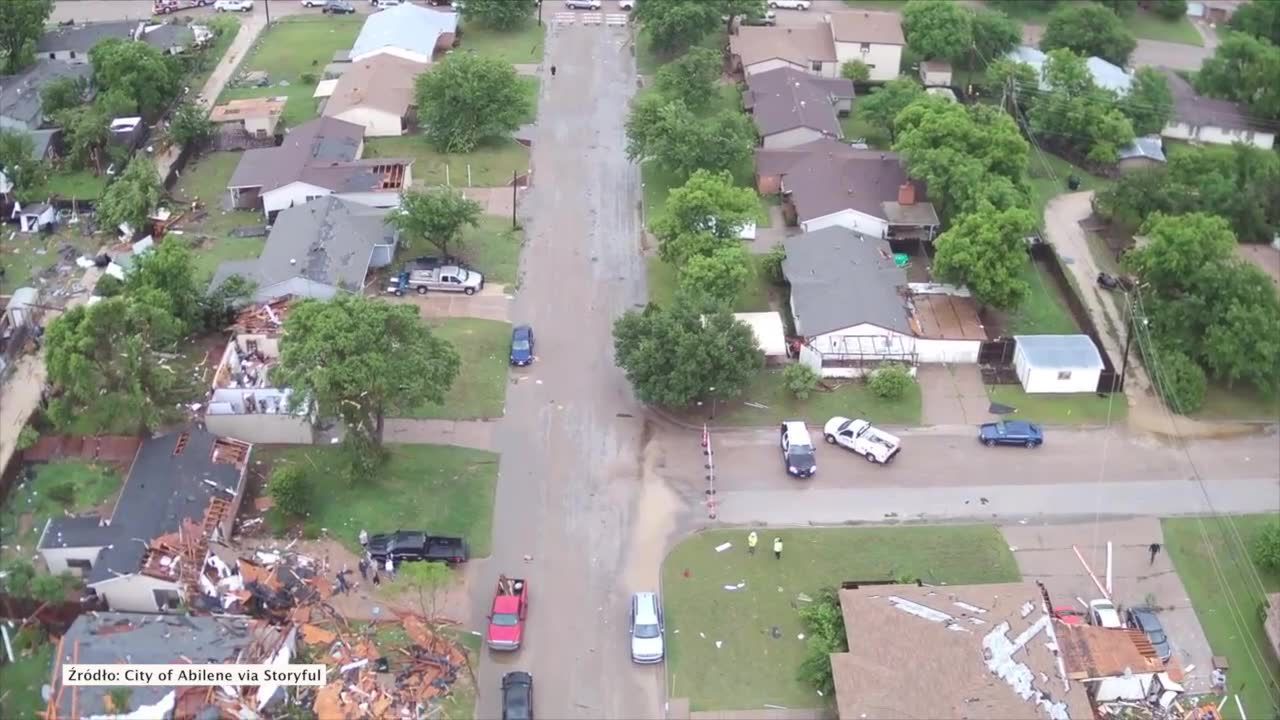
<point x="688" y="359"/>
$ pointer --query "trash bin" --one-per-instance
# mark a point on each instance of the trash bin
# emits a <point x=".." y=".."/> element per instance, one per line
<point x="1073" y="182"/>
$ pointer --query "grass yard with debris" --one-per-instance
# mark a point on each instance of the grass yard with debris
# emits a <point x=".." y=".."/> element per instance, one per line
<point x="1242" y="402"/>
<point x="493" y="248"/>
<point x="25" y="256"/>
<point x="58" y="487"/>
<point x="1239" y="637"/>
<point x="1069" y="409"/>
<point x="76" y="184"/>
<point x="211" y="237"/>
<point x="480" y="390"/>
<point x="522" y="46"/>
<point x="755" y="297"/>
<point x="21" y="680"/>
<point x="491" y="164"/>
<point x="752" y="668"/>
<point x="850" y="398"/>
<point x="447" y="490"/>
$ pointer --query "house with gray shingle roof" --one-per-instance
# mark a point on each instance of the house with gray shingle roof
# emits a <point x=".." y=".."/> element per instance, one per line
<point x="791" y="107"/>
<point x="20" y="107"/>
<point x="407" y="31"/>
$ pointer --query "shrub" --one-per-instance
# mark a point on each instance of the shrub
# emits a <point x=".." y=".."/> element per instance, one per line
<point x="890" y="382"/>
<point x="64" y="493"/>
<point x="1180" y="380"/>
<point x="18" y="577"/>
<point x="1266" y="549"/>
<point x="51" y="588"/>
<point x="28" y="436"/>
<point x="772" y="264"/>
<point x="29" y="637"/>
<point x="800" y="379"/>
<point x="108" y="286"/>
<point x="289" y="490"/>
<point x="308" y="78"/>
<point x="824" y="622"/>
<point x="855" y="70"/>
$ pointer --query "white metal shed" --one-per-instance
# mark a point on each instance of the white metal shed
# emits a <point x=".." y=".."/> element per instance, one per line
<point x="1057" y="363"/>
<point x="767" y="327"/>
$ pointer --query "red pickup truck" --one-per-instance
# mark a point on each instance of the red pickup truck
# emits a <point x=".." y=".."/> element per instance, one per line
<point x="506" y="618"/>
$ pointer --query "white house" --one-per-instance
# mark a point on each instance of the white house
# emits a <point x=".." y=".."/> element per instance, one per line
<point x="854" y="308"/>
<point x="407" y="31"/>
<point x="1208" y="120"/>
<point x="1057" y="363"/>
<point x="872" y="38"/>
<point x="377" y="94"/>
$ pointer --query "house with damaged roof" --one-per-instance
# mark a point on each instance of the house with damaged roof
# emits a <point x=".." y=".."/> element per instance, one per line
<point x="318" y="158"/>
<point x="182" y="492"/>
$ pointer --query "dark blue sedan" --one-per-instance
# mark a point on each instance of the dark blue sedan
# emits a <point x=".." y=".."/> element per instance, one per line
<point x="521" y="345"/>
<point x="1011" y="432"/>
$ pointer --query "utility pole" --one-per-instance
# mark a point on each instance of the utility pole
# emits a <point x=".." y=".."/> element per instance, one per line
<point x="266" y="5"/>
<point x="513" y="193"/>
<point x="539" y="12"/>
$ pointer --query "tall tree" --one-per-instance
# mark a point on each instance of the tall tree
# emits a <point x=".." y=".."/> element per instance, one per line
<point x="1149" y="102"/>
<point x="467" y="99"/>
<point x="705" y="213"/>
<point x="21" y="24"/>
<point x="85" y="130"/>
<point x="986" y="251"/>
<point x="190" y="125"/>
<point x="1171" y="10"/>
<point x="137" y="71"/>
<point x="691" y="78"/>
<point x="688" y="351"/>
<point x="882" y="106"/>
<point x="62" y="94"/>
<point x="1260" y="18"/>
<point x="1076" y="115"/>
<point x="1006" y="75"/>
<point x="437" y="215"/>
<point x="938" y="29"/>
<point x="362" y="359"/>
<point x="1122" y="8"/>
<point x="498" y="14"/>
<point x="131" y="198"/>
<point x="732" y="10"/>
<point x="1181" y="250"/>
<point x="674" y="25"/>
<point x="717" y="277"/>
<point x="681" y="142"/>
<point x="164" y="277"/>
<point x="1244" y="68"/>
<point x="27" y="174"/>
<point x="994" y="34"/>
<point x="1089" y="29"/>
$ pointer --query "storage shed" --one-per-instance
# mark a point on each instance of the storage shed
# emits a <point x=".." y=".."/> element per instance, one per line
<point x="1057" y="363"/>
<point x="770" y="335"/>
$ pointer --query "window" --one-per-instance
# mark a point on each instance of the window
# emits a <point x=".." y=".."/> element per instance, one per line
<point x="53" y="56"/>
<point x="73" y="54"/>
<point x="166" y="599"/>
<point x="816" y="65"/>
<point x="866" y="48"/>
<point x="77" y="564"/>
<point x="1064" y="374"/>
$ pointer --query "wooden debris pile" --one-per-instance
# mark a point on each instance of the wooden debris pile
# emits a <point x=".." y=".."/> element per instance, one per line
<point x="263" y="319"/>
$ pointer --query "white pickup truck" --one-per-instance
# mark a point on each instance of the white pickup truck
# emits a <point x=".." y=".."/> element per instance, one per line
<point x="862" y="437"/>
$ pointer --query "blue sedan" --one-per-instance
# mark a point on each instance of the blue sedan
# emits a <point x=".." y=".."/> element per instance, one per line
<point x="1011" y="432"/>
<point x="521" y="345"/>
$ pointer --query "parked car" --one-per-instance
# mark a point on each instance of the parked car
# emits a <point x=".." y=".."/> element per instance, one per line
<point x="233" y="6"/>
<point x="1011" y="432"/>
<point x="1107" y="281"/>
<point x="798" y="454"/>
<point x="863" y="438"/>
<point x="314" y="3"/>
<point x="789" y="4"/>
<point x="1144" y="619"/>
<point x="1103" y="614"/>
<point x="447" y="278"/>
<point x="411" y="545"/>
<point x="646" y="628"/>
<point x="507" y="614"/>
<point x="521" y="345"/>
<point x="338" y="7"/>
<point x="517" y="696"/>
<point x="164" y="7"/>
<point x="582" y="4"/>
<point x="385" y="3"/>
<point x="1069" y="615"/>
<point x="769" y="18"/>
<point x="626" y="5"/>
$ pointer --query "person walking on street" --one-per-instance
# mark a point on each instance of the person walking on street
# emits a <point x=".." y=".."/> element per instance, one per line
<point x="1155" y="550"/>
<point x="752" y="539"/>
<point x="553" y="71"/>
<point x="777" y="548"/>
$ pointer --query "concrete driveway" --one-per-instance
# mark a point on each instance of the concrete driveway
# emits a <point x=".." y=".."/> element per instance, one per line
<point x="953" y="395"/>
<point x="491" y="303"/>
<point x="1044" y="554"/>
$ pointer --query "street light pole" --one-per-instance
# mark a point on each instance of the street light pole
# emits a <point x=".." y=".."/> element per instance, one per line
<point x="266" y="5"/>
<point x="539" y="12"/>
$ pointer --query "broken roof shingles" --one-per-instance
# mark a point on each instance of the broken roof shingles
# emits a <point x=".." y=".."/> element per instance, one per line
<point x="840" y="278"/>
<point x="320" y="141"/>
<point x="161" y="491"/>
<point x="785" y="99"/>
<point x="111" y="638"/>
<point x="949" y="677"/>
<point x="20" y="94"/>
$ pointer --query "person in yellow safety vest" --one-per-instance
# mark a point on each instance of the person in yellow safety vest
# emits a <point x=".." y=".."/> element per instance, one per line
<point x="777" y="548"/>
<point x="752" y="539"/>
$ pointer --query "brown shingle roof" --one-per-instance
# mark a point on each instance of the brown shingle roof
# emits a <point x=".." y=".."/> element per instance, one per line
<point x="323" y="141"/>
<point x="780" y="160"/>
<point x="861" y="180"/>
<point x="884" y="28"/>
<point x="1196" y="110"/>
<point x="786" y="98"/>
<point x="383" y="82"/>
<point x="799" y="46"/>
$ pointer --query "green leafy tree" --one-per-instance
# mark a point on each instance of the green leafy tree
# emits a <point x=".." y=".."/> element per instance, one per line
<point x="986" y="252"/>
<point x="1149" y="102"/>
<point x="21" y="25"/>
<point x="1013" y="6"/>
<point x="426" y="580"/>
<point x="732" y="10"/>
<point x="62" y="94"/>
<point x="890" y="382"/>
<point x="437" y="215"/>
<point x="1180" y="381"/>
<point x="85" y="131"/>
<point x="938" y="29"/>
<point x="1079" y="117"/>
<point x="27" y="437"/>
<point x="675" y="355"/>
<point x="800" y="380"/>
<point x="771" y="264"/>
<point x="1122" y="8"/>
<point x="18" y="575"/>
<point x="1260" y="18"/>
<point x="103" y="368"/>
<point x="190" y="125"/>
<point x="681" y="142"/>
<point x="718" y="276"/>
<point x="691" y="78"/>
<point x="52" y="588"/>
<point x="1089" y="29"/>
<point x="290" y="490"/>
<point x="704" y="214"/>
<point x="1244" y="68"/>
<point x="994" y="34"/>
<point x="825" y="634"/>
<point x="132" y="197"/>
<point x="362" y="359"/>
<point x="136" y="70"/>
<point x="1172" y="10"/>
<point x="27" y="175"/>
<point x="164" y="277"/>
<point x="674" y="25"/>
<point x="856" y="71"/>
<point x="467" y="99"/>
<point x="885" y="102"/>
<point x="1242" y="342"/>
<point x="1013" y="77"/>
<point x="1266" y="548"/>
<point x="1181" y="249"/>
<point x="498" y="14"/>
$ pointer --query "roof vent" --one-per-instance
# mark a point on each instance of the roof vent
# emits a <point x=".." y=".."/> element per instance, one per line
<point x="293" y="261"/>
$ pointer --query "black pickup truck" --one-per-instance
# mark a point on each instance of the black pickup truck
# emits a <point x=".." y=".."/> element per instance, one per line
<point x="410" y="545"/>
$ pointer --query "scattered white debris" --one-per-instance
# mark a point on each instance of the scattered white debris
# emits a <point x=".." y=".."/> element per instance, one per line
<point x="1026" y="608"/>
<point x="730" y="587"/>
<point x="719" y="644"/>
<point x="723" y="546"/>
<point x="800" y="636"/>
<point x="919" y="610"/>
<point x="702" y="635"/>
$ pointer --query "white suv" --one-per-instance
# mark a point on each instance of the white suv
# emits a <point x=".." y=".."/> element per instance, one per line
<point x="582" y="4"/>
<point x="646" y="628"/>
<point x="1103" y="614"/>
<point x="626" y="4"/>
<point x="789" y="4"/>
<point x="233" y="6"/>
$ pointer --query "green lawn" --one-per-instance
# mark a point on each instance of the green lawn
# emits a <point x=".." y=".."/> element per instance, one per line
<point x="764" y="219"/>
<point x="439" y="488"/>
<point x="494" y="249"/>
<point x="752" y="668"/>
<point x="1143" y="25"/>
<point x="522" y="46"/>
<point x="529" y="88"/>
<point x="480" y="390"/>
<point x="20" y="682"/>
<point x="655" y="183"/>
<point x="851" y="399"/>
<point x="491" y="165"/>
<point x="755" y="297"/>
<point x="217" y="251"/>
<point x="1242" y="402"/>
<point x="1252" y="665"/>
<point x="1044" y="312"/>
<point x="1051" y="409"/>
<point x="1048" y="176"/>
<point x="648" y="60"/>
<point x="206" y="178"/>
<point x="211" y="237"/>
<point x="29" y="506"/>
<point x="79" y="184"/>
<point x="876" y="4"/>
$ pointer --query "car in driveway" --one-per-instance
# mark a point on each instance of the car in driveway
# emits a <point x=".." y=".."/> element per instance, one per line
<point x="1011" y="432"/>
<point x="410" y="545"/>
<point x="517" y="696"/>
<point x="233" y="6"/>
<point x="798" y="454"/>
<point x="1145" y="619"/>
<point x="338" y="7"/>
<point x="1104" y="614"/>
<point x="314" y="3"/>
<point x="521" y="345"/>
<point x="790" y="4"/>
<point x="769" y="19"/>
<point x="646" y="628"/>
<point x="626" y="5"/>
<point x="582" y="4"/>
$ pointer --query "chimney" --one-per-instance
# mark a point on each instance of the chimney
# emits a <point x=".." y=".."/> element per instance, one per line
<point x="906" y="194"/>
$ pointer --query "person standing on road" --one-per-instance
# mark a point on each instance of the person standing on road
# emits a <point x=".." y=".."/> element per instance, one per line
<point x="553" y="71"/>
<point x="1155" y="550"/>
<point x="777" y="548"/>
<point x="752" y="539"/>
